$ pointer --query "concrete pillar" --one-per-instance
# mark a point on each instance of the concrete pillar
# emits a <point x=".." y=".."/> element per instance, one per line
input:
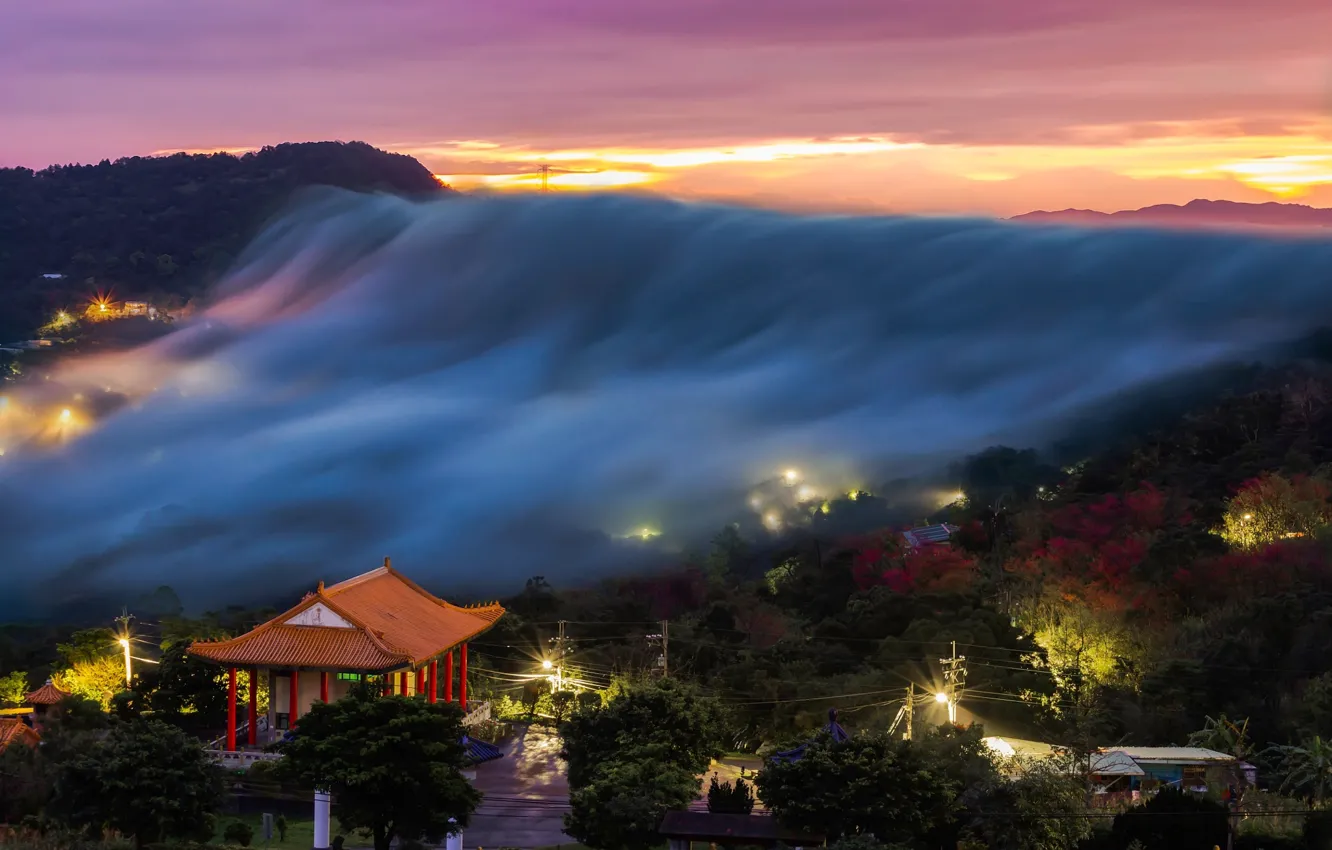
<point x="252" y="732"/>
<point x="454" y="840"/>
<point x="321" y="809"/>
<point x="448" y="677"/>
<point x="231" y="709"/>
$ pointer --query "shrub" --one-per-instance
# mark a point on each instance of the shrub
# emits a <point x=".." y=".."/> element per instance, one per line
<point x="725" y="798"/>
<point x="238" y="832"/>
<point x="336" y="843"/>
<point x="281" y="825"/>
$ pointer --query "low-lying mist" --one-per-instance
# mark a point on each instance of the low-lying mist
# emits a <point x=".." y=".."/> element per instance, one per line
<point x="491" y="389"/>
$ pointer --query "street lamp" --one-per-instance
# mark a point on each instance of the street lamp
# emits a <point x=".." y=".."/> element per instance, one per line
<point x="941" y="698"/>
<point x="545" y="664"/>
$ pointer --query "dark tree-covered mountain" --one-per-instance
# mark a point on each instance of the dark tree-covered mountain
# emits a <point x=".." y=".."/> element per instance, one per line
<point x="160" y="228"/>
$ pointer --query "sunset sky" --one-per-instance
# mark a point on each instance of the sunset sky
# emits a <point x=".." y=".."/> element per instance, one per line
<point x="993" y="106"/>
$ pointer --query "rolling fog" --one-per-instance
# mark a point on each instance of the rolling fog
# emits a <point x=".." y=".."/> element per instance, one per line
<point x="491" y="389"/>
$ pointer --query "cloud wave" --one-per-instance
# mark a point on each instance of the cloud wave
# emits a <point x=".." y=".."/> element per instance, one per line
<point x="490" y="389"/>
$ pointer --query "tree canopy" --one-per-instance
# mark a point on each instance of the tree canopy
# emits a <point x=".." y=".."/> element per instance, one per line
<point x="145" y="779"/>
<point x="393" y="764"/>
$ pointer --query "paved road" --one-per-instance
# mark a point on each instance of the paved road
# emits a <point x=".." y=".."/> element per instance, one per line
<point x="527" y="792"/>
<point x="526" y="795"/>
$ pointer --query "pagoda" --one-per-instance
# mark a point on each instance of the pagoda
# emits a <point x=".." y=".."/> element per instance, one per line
<point x="378" y="627"/>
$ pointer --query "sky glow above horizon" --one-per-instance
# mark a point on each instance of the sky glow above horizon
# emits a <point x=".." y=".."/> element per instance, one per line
<point x="845" y="105"/>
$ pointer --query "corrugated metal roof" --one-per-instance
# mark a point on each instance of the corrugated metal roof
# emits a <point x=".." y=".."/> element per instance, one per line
<point x="1173" y="755"/>
<point x="929" y="534"/>
<point x="1114" y="763"/>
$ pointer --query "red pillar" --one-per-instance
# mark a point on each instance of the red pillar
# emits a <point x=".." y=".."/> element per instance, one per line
<point x="448" y="677"/>
<point x="402" y="683"/>
<point x="323" y="686"/>
<point x="462" y="678"/>
<point x="231" y="710"/>
<point x="388" y="684"/>
<point x="252" y="731"/>
<point x="433" y="687"/>
<point x="292" y="704"/>
<point x="421" y="682"/>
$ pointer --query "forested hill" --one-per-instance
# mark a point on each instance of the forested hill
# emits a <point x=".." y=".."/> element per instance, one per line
<point x="160" y="228"/>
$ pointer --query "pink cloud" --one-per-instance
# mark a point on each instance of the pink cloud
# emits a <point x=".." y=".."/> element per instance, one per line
<point x="89" y="79"/>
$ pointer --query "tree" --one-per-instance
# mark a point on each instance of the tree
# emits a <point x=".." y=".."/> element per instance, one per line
<point x="24" y="783"/>
<point x="725" y="798"/>
<point x="728" y="554"/>
<point x="145" y="779"/>
<point x="1271" y="508"/>
<point x="1173" y="820"/>
<point x="96" y="679"/>
<point x="1304" y="769"/>
<point x="685" y="729"/>
<point x="1225" y="736"/>
<point x="870" y="784"/>
<point x="13" y="688"/>
<point x="393" y="763"/>
<point x="622" y="805"/>
<point x="182" y="683"/>
<point x="1041" y="809"/>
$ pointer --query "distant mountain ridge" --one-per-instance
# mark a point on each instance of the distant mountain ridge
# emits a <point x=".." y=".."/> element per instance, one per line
<point x="1197" y="213"/>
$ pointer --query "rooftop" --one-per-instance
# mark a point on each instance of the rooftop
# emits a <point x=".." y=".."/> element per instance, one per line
<point x="706" y="826"/>
<point x="47" y="694"/>
<point x="13" y="730"/>
<point x="375" y="622"/>
<point x="929" y="534"/>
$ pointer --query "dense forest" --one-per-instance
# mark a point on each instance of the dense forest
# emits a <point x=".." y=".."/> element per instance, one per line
<point x="160" y="228"/>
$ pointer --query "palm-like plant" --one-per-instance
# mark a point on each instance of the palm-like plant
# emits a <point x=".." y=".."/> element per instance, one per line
<point x="1305" y="769"/>
<point x="1225" y="736"/>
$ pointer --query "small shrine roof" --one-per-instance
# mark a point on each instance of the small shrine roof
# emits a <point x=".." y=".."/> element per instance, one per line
<point x="47" y="694"/>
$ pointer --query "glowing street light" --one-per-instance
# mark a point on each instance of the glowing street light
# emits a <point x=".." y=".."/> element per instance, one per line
<point x="65" y="415"/>
<point x="791" y="476"/>
<point x="546" y="665"/>
<point x="772" y="520"/>
<point x="1247" y="517"/>
<point x="941" y="698"/>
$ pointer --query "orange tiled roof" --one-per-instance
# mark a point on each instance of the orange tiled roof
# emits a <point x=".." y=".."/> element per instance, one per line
<point x="47" y="694"/>
<point x="13" y="730"/>
<point x="387" y="623"/>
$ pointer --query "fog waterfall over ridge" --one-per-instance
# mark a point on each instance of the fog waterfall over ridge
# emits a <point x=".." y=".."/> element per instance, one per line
<point x="491" y="389"/>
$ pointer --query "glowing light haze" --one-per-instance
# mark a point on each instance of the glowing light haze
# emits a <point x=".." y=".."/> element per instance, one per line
<point x="949" y="105"/>
<point x="491" y="389"/>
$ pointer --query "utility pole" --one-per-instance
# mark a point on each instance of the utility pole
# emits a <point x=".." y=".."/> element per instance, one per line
<point x="559" y="658"/>
<point x="665" y="648"/>
<point x="955" y="677"/>
<point x="910" y="709"/>
<point x="123" y="640"/>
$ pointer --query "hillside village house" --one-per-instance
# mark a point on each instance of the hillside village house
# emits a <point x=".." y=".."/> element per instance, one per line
<point x="1128" y="772"/>
<point x="378" y="627"/>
